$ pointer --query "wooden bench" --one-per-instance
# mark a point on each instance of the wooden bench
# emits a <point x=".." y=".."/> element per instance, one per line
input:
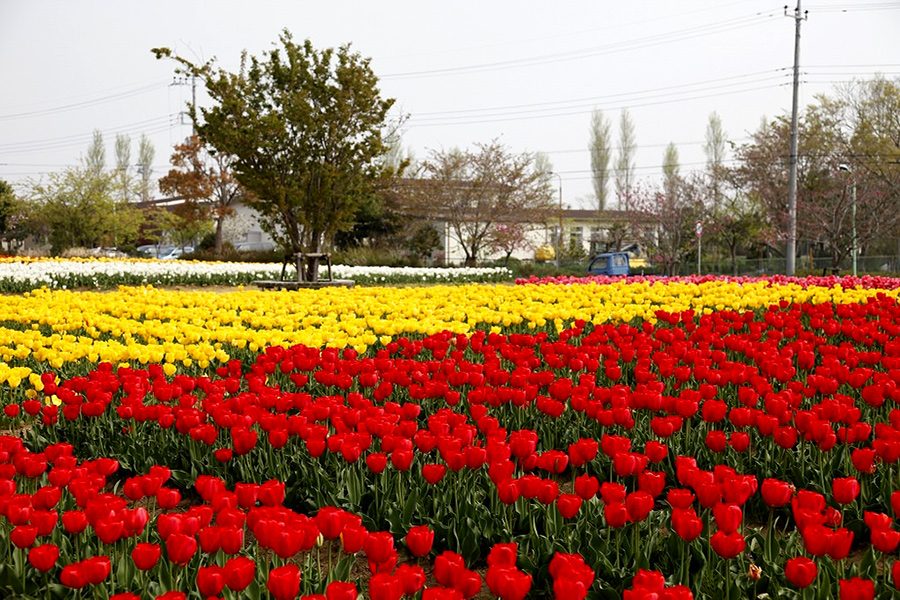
<point x="307" y="264"/>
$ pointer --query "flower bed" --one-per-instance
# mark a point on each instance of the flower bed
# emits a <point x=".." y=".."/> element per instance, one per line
<point x="848" y="281"/>
<point x="702" y="452"/>
<point x="19" y="275"/>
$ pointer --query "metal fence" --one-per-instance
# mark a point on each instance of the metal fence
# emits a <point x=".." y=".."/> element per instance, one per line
<point x="806" y="265"/>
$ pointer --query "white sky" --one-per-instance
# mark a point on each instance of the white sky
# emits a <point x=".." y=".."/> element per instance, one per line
<point x="525" y="72"/>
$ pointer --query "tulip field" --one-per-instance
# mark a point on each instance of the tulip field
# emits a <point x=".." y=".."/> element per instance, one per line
<point x="707" y="438"/>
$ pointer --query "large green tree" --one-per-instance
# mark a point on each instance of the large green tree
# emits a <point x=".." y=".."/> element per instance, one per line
<point x="304" y="128"/>
<point x="78" y="208"/>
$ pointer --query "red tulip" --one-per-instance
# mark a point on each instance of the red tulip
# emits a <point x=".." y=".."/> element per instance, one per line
<point x="652" y="482"/>
<point x="341" y="590"/>
<point x="800" y="571"/>
<point x="379" y="546"/>
<point x="145" y="556"/>
<point x="863" y="460"/>
<point x="210" y="580"/>
<point x="776" y="493"/>
<point x="448" y="568"/>
<point x="612" y="492"/>
<point x="568" y="505"/>
<point x="353" y="538"/>
<point x="680" y="498"/>
<point x="508" y="582"/>
<point x="284" y="582"/>
<point x="857" y="588"/>
<point x="639" y="504"/>
<point x="383" y="586"/>
<point x="271" y="493"/>
<point x="885" y="540"/>
<point x="433" y="473"/>
<point x="728" y="545"/>
<point x="586" y="486"/>
<point x="716" y="441"/>
<point x="247" y="493"/>
<point x="44" y="557"/>
<point x="73" y="576"/>
<point x="616" y="514"/>
<point x="817" y="539"/>
<point x="223" y="455"/>
<point x="377" y="462"/>
<point x="411" y="577"/>
<point x="895" y="573"/>
<point x="180" y="548"/>
<point x="686" y="524"/>
<point x="845" y="489"/>
<point x="23" y="536"/>
<point x="841" y="540"/>
<point x="74" y="521"/>
<point x="243" y="439"/>
<point x="167" y="497"/>
<point x="503" y="555"/>
<point x="240" y="572"/>
<point x="419" y="540"/>
<point x="96" y="569"/>
<point x="728" y="517"/>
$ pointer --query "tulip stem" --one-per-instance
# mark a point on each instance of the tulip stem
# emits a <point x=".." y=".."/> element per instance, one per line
<point x="727" y="580"/>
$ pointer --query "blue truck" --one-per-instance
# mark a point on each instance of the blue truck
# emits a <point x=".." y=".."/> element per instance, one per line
<point x="609" y="263"/>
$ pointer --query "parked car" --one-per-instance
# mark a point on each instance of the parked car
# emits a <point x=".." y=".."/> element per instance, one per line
<point x="176" y="252"/>
<point x="254" y="246"/>
<point x="609" y="263"/>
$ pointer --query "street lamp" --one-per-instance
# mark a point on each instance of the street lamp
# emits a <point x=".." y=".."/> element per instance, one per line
<point x="853" y="249"/>
<point x="559" y="231"/>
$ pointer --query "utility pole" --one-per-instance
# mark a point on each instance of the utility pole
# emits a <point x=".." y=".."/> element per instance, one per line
<point x="791" y="251"/>
<point x="698" y="229"/>
<point x="183" y="81"/>
<point x="853" y="249"/>
<point x="560" y="231"/>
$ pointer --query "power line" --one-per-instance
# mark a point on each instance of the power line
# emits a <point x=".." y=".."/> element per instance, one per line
<point x="637" y="43"/>
<point x="628" y="101"/>
<point x="84" y="104"/>
<point x="150" y="131"/>
<point x="872" y="7"/>
<point x="154" y="125"/>
<point x="769" y="72"/>
<point x="581" y="112"/>
<point x="465" y="114"/>
<point x="663" y="145"/>
<point x="568" y="34"/>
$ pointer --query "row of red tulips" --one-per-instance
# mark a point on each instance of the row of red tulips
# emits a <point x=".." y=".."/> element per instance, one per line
<point x="876" y="282"/>
<point x="75" y="529"/>
<point x="631" y="446"/>
<point x="71" y="496"/>
<point x="204" y="547"/>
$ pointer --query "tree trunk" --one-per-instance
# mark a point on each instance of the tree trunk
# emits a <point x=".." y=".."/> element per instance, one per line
<point x="219" y="234"/>
<point x="734" y="260"/>
<point x="470" y="261"/>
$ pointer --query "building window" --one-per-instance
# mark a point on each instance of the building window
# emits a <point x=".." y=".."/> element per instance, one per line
<point x="576" y="237"/>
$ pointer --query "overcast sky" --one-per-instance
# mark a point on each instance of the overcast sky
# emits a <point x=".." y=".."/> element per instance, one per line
<point x="527" y="73"/>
